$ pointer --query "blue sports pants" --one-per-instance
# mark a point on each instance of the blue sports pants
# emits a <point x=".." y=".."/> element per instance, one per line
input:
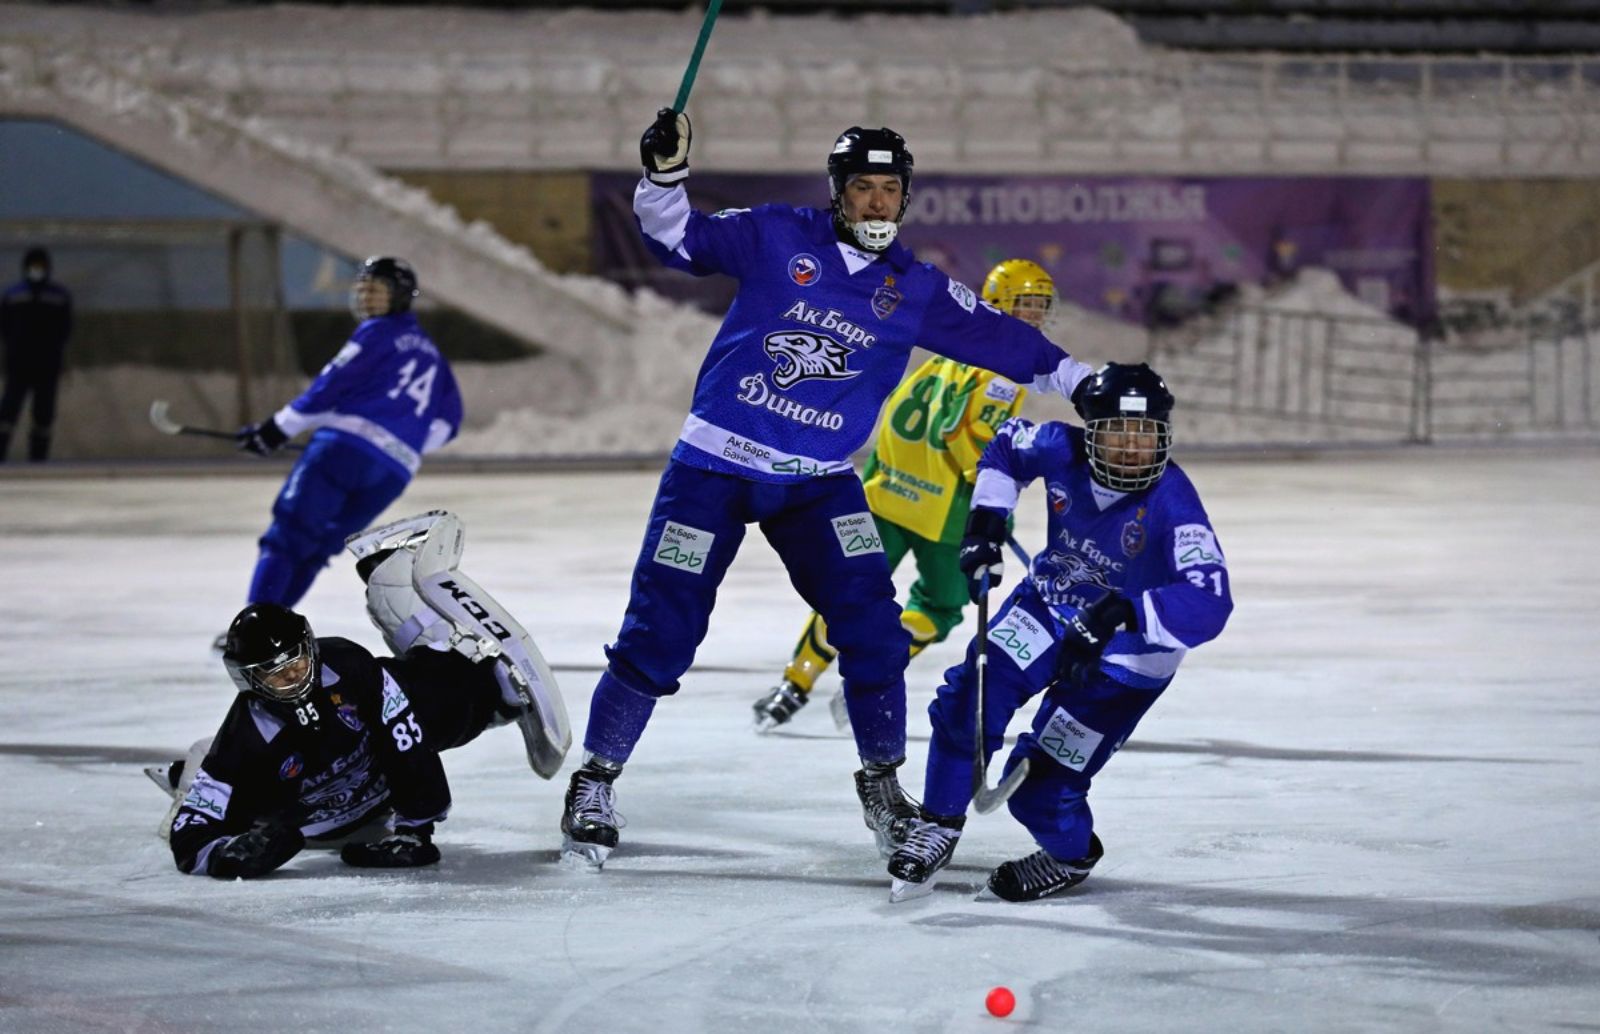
<point x="336" y="489"/>
<point x="829" y="544"/>
<point x="1074" y="733"/>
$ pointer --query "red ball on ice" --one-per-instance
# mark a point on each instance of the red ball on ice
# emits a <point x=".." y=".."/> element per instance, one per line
<point x="1000" y="1001"/>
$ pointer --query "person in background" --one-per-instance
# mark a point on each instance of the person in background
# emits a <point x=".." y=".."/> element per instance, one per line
<point x="35" y="323"/>
<point x="386" y="399"/>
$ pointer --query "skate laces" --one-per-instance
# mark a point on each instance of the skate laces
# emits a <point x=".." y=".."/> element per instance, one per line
<point x="886" y="799"/>
<point x="592" y="802"/>
<point x="927" y="842"/>
<point x="1040" y="870"/>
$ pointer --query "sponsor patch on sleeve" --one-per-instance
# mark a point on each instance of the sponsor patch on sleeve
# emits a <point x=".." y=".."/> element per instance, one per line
<point x="1021" y="636"/>
<point x="208" y="796"/>
<point x="395" y="700"/>
<point x="1195" y="545"/>
<point x="963" y="295"/>
<point x="1001" y="390"/>
<point x="684" y="547"/>
<point x="857" y="534"/>
<point x="1068" y="740"/>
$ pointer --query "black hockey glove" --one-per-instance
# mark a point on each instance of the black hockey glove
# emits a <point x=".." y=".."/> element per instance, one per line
<point x="981" y="549"/>
<point x="263" y="439"/>
<point x="269" y="843"/>
<point x="1087" y="632"/>
<point x="405" y="848"/>
<point x="664" y="148"/>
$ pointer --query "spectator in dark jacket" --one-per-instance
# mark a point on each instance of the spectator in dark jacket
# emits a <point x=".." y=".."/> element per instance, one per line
<point x="35" y="322"/>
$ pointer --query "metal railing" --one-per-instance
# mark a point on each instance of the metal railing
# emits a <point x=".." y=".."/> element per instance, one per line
<point x="1313" y="377"/>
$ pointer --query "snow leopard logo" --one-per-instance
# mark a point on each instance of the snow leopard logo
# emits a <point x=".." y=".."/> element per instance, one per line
<point x="1072" y="571"/>
<point x="803" y="356"/>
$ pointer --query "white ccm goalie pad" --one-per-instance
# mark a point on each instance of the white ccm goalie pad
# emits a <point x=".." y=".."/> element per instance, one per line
<point x="416" y="595"/>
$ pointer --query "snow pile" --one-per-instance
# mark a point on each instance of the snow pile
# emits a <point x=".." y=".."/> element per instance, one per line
<point x="629" y="400"/>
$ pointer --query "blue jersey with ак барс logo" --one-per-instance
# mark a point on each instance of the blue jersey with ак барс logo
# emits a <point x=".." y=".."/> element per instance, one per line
<point x="389" y="387"/>
<point x="1155" y="546"/>
<point x="818" y="335"/>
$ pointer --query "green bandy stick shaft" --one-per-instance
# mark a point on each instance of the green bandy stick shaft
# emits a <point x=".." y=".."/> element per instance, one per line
<point x="699" y="49"/>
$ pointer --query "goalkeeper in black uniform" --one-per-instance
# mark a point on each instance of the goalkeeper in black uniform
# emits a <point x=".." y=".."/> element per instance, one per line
<point x="324" y="739"/>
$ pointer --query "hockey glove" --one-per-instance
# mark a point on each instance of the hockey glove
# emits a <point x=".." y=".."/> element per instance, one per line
<point x="266" y="846"/>
<point x="1086" y="633"/>
<point x="263" y="439"/>
<point x="664" y="148"/>
<point x="405" y="848"/>
<point x="981" y="549"/>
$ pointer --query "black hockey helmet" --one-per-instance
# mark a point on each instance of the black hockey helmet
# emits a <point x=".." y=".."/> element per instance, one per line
<point x="270" y="651"/>
<point x="1126" y="410"/>
<point x="862" y="152"/>
<point x="397" y="273"/>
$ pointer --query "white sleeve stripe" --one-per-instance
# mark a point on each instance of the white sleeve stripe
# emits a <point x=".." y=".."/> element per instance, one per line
<point x="1066" y="376"/>
<point x="402" y="823"/>
<point x="1150" y="665"/>
<point x="663" y="213"/>
<point x="291" y="421"/>
<point x="202" y="861"/>
<point x="439" y="432"/>
<point x="1155" y="633"/>
<point x="996" y="491"/>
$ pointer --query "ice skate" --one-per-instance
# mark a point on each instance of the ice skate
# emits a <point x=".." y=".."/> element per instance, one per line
<point x="590" y="823"/>
<point x="885" y="808"/>
<point x="778" y="706"/>
<point x="1039" y="875"/>
<point x="930" y="843"/>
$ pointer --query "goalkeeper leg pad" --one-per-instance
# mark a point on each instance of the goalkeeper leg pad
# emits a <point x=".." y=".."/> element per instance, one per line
<point x="416" y="594"/>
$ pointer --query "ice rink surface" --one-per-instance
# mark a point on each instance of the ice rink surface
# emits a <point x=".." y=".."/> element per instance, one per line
<point x="1372" y="805"/>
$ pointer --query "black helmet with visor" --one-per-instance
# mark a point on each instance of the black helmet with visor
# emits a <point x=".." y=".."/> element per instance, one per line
<point x="271" y="652"/>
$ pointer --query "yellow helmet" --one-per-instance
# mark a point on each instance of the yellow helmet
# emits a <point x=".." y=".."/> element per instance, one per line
<point x="1016" y="279"/>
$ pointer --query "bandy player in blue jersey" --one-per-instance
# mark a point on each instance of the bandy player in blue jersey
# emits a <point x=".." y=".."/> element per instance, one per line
<point x="1130" y="580"/>
<point x="383" y="401"/>
<point x="828" y="308"/>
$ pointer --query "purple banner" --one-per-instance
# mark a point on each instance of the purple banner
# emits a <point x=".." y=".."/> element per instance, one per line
<point x="1152" y="250"/>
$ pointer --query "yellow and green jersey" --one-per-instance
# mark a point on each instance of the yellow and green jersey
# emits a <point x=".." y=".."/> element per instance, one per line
<point x="935" y="427"/>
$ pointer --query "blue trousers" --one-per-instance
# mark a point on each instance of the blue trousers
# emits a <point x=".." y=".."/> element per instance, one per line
<point x="826" y="537"/>
<point x="335" y="490"/>
<point x="1074" y="733"/>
